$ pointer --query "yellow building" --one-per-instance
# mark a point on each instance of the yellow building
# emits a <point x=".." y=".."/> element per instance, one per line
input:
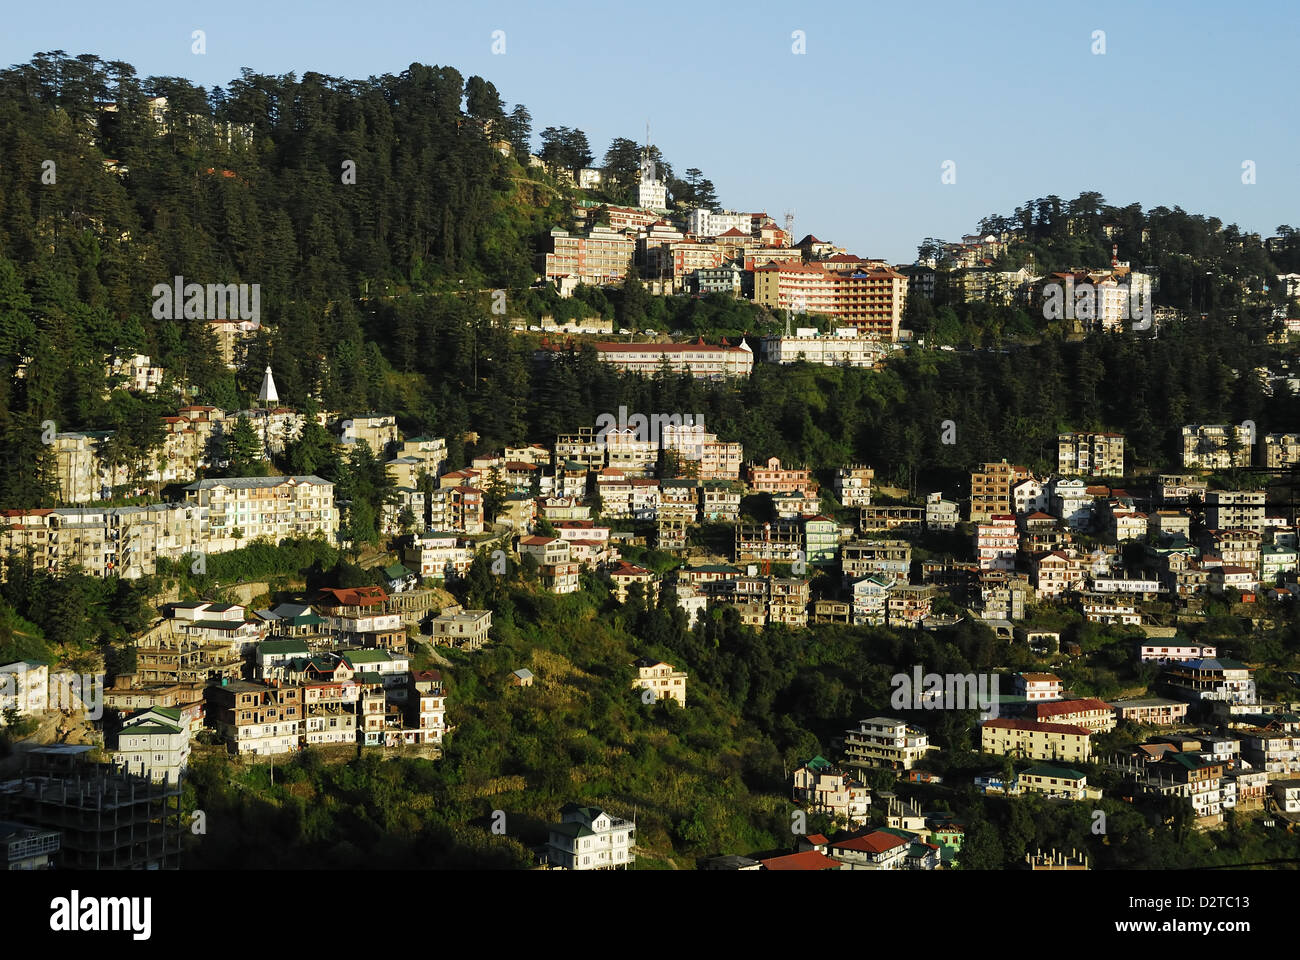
<point x="1035" y="741"/>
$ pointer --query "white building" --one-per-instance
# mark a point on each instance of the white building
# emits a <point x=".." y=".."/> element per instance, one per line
<point x="154" y="743"/>
<point x="588" y="838"/>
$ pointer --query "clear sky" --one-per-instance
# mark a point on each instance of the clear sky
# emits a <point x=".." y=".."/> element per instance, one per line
<point x="852" y="133"/>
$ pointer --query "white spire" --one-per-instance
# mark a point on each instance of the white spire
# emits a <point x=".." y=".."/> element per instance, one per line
<point x="267" y="395"/>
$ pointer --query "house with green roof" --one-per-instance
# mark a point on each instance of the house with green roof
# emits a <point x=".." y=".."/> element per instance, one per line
<point x="1056" y="782"/>
<point x="154" y="744"/>
<point x="588" y="838"/>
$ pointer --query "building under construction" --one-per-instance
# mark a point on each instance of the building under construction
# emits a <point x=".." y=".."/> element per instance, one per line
<point x="108" y="819"/>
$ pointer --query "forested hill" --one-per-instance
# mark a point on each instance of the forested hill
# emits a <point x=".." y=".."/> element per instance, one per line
<point x="101" y="201"/>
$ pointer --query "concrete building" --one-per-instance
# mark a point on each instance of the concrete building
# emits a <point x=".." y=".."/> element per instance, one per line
<point x="588" y="838"/>
<point x="1090" y="454"/>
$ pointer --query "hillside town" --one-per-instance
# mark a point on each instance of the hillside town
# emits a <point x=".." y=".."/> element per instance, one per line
<point x="477" y="596"/>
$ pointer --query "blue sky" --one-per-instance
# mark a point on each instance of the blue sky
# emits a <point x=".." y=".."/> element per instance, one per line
<point x="853" y="133"/>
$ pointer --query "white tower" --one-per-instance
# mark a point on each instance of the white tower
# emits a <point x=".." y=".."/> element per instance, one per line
<point x="268" y="395"/>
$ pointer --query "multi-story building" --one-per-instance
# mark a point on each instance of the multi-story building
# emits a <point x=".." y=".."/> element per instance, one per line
<point x="1038" y="687"/>
<point x="1055" y="573"/>
<point x="235" y="511"/>
<point x="666" y="682"/>
<point x="102" y="541"/>
<point x="1235" y="510"/>
<point x="1057" y="782"/>
<point x="772" y="477"/>
<point x="843" y="347"/>
<point x="780" y="541"/>
<point x="154" y="743"/>
<point x="882" y="518"/>
<point x="1035" y="741"/>
<point x="1090" y="454"/>
<point x="1181" y="489"/>
<point x="456" y="627"/>
<point x="1217" y="446"/>
<point x="864" y="558"/>
<point x="361" y="617"/>
<point x="823" y="788"/>
<point x="438" y="555"/>
<point x="256" y="718"/>
<point x="701" y="360"/>
<point x="870" y="297"/>
<point x="907" y="604"/>
<point x="1275" y="752"/>
<point x="885" y="742"/>
<point x="1211" y="678"/>
<point x="1088" y="712"/>
<point x="990" y="489"/>
<point x="588" y="838"/>
<point x="27" y="848"/>
<point x="1281" y="450"/>
<point x="853" y="485"/>
<point x="600" y="257"/>
<point x="996" y="542"/>
<point x="941" y="514"/>
<point x="1152" y="711"/>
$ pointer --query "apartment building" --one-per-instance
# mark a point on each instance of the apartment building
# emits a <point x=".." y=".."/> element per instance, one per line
<point x="626" y="574"/>
<point x="1177" y="489"/>
<point x="996" y="542"/>
<point x="663" y="679"/>
<point x="102" y="541"/>
<point x="1090" y="454"/>
<point x="772" y="477"/>
<point x="438" y="555"/>
<point x="885" y="742"/>
<point x="1217" y="446"/>
<point x="1275" y="752"/>
<point x="154" y="743"/>
<point x="1235" y="510"/>
<point x="864" y="558"/>
<point x="235" y="511"/>
<point x="599" y="257"/>
<point x="853" y="485"/>
<point x="990" y="489"/>
<point x="781" y="541"/>
<point x="702" y="455"/>
<point x="1055" y="573"/>
<point x="256" y="718"/>
<point x="870" y="297"/>
<point x="906" y="605"/>
<point x="1031" y="740"/>
<point x="881" y="518"/>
